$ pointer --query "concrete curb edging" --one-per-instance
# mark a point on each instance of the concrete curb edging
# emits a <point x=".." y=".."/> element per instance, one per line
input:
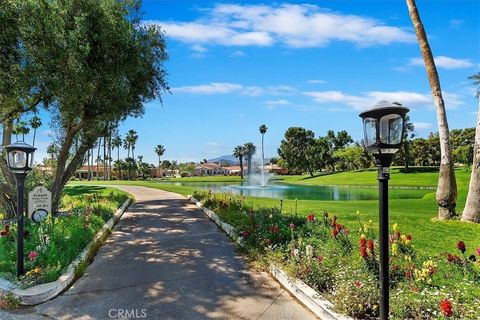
<point x="46" y="291"/>
<point x="305" y="294"/>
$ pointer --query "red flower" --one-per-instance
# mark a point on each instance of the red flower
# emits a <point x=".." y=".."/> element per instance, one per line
<point x="334" y="221"/>
<point x="32" y="255"/>
<point x="370" y="245"/>
<point x="398" y="234"/>
<point x="363" y="248"/>
<point x="446" y="307"/>
<point x="461" y="246"/>
<point x="245" y="234"/>
<point x="310" y="217"/>
<point x="320" y="258"/>
<point x="478" y="251"/>
<point x="408" y="275"/>
<point x="358" y="284"/>
<point x="274" y="229"/>
<point x="292" y="226"/>
<point x="339" y="226"/>
<point x="334" y="233"/>
<point x="6" y="231"/>
<point x="345" y="230"/>
<point x="409" y="237"/>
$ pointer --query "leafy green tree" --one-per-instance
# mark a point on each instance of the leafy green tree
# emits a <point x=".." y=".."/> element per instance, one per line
<point x="238" y="153"/>
<point x="296" y="150"/>
<point x="89" y="63"/>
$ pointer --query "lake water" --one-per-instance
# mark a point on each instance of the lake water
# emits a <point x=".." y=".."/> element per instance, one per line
<point x="303" y="192"/>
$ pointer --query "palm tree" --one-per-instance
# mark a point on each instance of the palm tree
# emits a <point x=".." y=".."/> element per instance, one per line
<point x="250" y="150"/>
<point x="472" y="206"/>
<point x="117" y="143"/>
<point x="132" y="138"/>
<point x="35" y="123"/>
<point x="263" y="129"/>
<point x="238" y="153"/>
<point x="447" y="186"/>
<point x="159" y="150"/>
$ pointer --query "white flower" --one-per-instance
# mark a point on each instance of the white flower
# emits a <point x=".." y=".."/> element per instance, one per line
<point x="295" y="252"/>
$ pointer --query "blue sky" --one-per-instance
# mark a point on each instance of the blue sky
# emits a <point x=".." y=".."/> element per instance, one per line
<point x="235" y="65"/>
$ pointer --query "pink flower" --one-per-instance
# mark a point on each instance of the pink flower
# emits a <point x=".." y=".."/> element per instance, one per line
<point x="320" y="258"/>
<point x="245" y="234"/>
<point x="310" y="217"/>
<point x="358" y="284"/>
<point x="292" y="226"/>
<point x="478" y="251"/>
<point x="32" y="255"/>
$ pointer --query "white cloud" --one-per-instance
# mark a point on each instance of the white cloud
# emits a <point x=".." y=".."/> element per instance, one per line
<point x="455" y="23"/>
<point x="227" y="87"/>
<point x="211" y="88"/>
<point x="315" y="81"/>
<point x="292" y="25"/>
<point x="271" y="104"/>
<point x="213" y="144"/>
<point x="368" y="99"/>
<point x="238" y="54"/>
<point x="422" y="125"/>
<point x="444" y="62"/>
<point x="199" y="48"/>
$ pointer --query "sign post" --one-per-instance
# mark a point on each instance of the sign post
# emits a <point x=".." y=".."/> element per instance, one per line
<point x="39" y="203"/>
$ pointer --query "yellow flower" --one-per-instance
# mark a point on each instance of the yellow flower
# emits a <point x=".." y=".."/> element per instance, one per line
<point x="395" y="227"/>
<point x="394" y="249"/>
<point x="363" y="236"/>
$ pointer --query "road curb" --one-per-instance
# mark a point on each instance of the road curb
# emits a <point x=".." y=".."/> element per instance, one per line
<point x="46" y="291"/>
<point x="305" y="294"/>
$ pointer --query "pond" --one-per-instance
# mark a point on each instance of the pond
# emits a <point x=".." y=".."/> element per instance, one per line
<point x="303" y="192"/>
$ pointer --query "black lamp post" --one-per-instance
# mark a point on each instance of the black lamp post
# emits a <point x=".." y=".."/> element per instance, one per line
<point x="20" y="161"/>
<point x="384" y="127"/>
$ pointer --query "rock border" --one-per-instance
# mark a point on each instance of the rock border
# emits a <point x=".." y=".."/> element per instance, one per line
<point x="46" y="291"/>
<point x="305" y="294"/>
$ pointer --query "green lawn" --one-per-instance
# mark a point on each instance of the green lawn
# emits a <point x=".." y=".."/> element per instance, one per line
<point x="415" y="216"/>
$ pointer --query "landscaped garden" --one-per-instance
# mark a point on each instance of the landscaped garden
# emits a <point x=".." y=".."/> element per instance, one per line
<point x="53" y="244"/>
<point x="333" y="245"/>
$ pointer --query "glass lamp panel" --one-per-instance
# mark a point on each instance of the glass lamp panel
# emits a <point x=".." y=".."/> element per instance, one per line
<point x="30" y="160"/>
<point x="17" y="159"/>
<point x="391" y="127"/>
<point x="370" y="130"/>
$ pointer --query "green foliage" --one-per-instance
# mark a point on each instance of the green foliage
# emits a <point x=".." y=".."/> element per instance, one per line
<point x="297" y="149"/>
<point x="59" y="240"/>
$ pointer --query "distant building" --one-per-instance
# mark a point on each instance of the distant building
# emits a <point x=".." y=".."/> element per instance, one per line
<point x="209" y="169"/>
<point x="235" y="170"/>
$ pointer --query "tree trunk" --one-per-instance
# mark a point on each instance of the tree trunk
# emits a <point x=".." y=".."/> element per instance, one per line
<point x="472" y="206"/>
<point x="447" y="186"/>
<point x="104" y="158"/>
<point x="98" y="157"/>
<point x="241" y="166"/>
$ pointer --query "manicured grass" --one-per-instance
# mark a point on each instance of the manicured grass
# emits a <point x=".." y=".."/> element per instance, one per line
<point x="414" y="216"/>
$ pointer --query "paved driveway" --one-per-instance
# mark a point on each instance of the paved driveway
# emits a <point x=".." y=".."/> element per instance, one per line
<point x="166" y="260"/>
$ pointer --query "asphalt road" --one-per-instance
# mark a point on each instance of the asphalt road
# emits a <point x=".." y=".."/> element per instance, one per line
<point x="166" y="260"/>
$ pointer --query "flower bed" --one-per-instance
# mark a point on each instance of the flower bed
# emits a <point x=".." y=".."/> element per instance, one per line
<point x="342" y="263"/>
<point x="52" y="245"/>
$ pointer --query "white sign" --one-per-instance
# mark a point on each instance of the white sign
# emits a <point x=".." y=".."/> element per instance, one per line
<point x="39" y="199"/>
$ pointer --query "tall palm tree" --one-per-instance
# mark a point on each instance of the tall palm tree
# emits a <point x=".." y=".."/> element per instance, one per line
<point x="132" y="138"/>
<point x="159" y="150"/>
<point x="447" y="186"/>
<point x="472" y="206"/>
<point x="263" y="129"/>
<point x="250" y="150"/>
<point x="238" y="153"/>
<point x="35" y="123"/>
<point x="117" y="143"/>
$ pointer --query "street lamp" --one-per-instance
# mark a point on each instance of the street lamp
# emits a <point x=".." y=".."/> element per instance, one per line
<point x="384" y="127"/>
<point x="20" y="162"/>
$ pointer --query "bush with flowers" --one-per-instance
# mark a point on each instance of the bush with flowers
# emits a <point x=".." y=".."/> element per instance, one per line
<point x="53" y="244"/>
<point x="342" y="263"/>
